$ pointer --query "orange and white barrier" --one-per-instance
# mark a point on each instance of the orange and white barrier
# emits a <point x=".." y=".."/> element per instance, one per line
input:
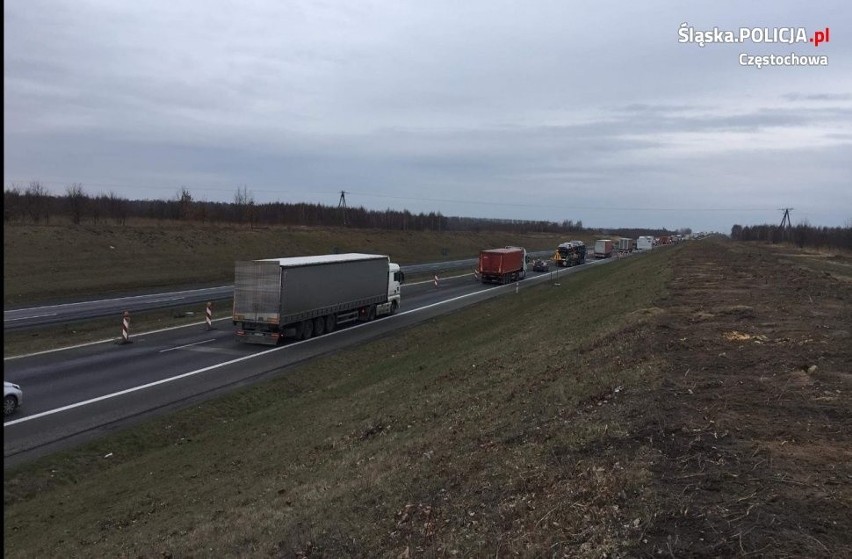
<point x="125" y="328"/>
<point x="209" y="315"/>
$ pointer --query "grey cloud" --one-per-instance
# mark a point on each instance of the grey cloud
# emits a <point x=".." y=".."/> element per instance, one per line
<point x="533" y="112"/>
<point x="818" y="96"/>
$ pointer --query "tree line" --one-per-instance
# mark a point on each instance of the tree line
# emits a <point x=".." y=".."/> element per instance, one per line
<point x="802" y="235"/>
<point x="33" y="203"/>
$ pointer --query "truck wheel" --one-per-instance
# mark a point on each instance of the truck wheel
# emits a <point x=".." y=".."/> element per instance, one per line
<point x="319" y="326"/>
<point x="330" y="323"/>
<point x="394" y="307"/>
<point x="307" y="329"/>
<point x="371" y="314"/>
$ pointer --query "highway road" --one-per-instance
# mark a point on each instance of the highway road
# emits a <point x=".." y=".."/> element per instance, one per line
<point x="77" y="394"/>
<point x="33" y="317"/>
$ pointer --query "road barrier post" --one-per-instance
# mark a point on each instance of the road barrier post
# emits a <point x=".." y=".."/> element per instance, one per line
<point x="125" y="328"/>
<point x="436" y="280"/>
<point x="209" y="315"/>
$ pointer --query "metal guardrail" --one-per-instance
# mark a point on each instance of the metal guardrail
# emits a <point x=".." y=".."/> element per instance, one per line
<point x="52" y="314"/>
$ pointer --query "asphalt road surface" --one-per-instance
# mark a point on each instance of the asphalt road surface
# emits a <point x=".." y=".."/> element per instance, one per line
<point x="33" y="317"/>
<point x="77" y="394"/>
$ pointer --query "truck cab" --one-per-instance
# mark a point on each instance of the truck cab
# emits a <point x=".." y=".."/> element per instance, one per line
<point x="395" y="280"/>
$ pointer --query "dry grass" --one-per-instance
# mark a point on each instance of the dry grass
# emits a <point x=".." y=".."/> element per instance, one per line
<point x="479" y="433"/>
<point x="47" y="262"/>
<point x="610" y="416"/>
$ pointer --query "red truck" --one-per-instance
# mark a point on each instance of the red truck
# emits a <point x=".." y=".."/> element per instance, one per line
<point x="502" y="265"/>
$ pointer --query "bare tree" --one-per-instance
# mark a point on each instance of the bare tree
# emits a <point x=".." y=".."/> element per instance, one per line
<point x="13" y="203"/>
<point x="35" y="202"/>
<point x="184" y="204"/>
<point x="244" y="204"/>
<point x="99" y="207"/>
<point x="76" y="199"/>
<point x="117" y="208"/>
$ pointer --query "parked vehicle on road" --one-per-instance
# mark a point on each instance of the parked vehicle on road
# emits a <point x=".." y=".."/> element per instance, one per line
<point x="645" y="243"/>
<point x="305" y="296"/>
<point x="541" y="265"/>
<point x="13" y="397"/>
<point x="603" y="248"/>
<point x="502" y="265"/>
<point x="571" y="253"/>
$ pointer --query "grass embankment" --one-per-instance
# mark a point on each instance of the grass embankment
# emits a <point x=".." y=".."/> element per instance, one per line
<point x="478" y="433"/>
<point x="46" y="262"/>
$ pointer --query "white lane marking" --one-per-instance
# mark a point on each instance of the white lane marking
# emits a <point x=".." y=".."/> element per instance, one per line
<point x="187" y="345"/>
<point x="28" y="317"/>
<point x="247" y="357"/>
<point x="430" y="281"/>
<point x="226" y="363"/>
<point x="111" y="340"/>
<point x="128" y="298"/>
<point x="135" y="388"/>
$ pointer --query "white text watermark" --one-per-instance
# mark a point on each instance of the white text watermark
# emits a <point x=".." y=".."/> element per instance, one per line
<point x="762" y="36"/>
<point x="758" y="35"/>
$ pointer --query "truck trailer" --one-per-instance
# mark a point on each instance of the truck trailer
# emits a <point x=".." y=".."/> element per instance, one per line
<point x="645" y="243"/>
<point x="625" y="244"/>
<point x="603" y="248"/>
<point x="502" y="265"/>
<point x="570" y="254"/>
<point x="303" y="296"/>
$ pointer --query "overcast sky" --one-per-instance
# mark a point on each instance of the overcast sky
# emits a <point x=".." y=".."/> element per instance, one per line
<point x="551" y="110"/>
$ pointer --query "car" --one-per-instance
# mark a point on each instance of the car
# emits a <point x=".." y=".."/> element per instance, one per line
<point x="541" y="265"/>
<point x="13" y="397"/>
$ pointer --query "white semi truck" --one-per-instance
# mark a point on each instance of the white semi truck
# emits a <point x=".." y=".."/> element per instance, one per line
<point x="304" y="296"/>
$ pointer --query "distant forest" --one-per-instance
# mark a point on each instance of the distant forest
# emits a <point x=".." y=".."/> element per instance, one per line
<point x="802" y="235"/>
<point x="35" y="204"/>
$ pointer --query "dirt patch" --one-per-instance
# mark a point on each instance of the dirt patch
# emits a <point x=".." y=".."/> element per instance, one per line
<point x="691" y="402"/>
<point x="753" y="418"/>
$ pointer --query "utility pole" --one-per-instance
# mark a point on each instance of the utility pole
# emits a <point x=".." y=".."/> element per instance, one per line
<point x="342" y="204"/>
<point x="786" y="218"/>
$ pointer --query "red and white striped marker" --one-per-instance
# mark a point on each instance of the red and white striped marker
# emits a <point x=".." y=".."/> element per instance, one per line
<point x="125" y="328"/>
<point x="436" y="280"/>
<point x="209" y="315"/>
